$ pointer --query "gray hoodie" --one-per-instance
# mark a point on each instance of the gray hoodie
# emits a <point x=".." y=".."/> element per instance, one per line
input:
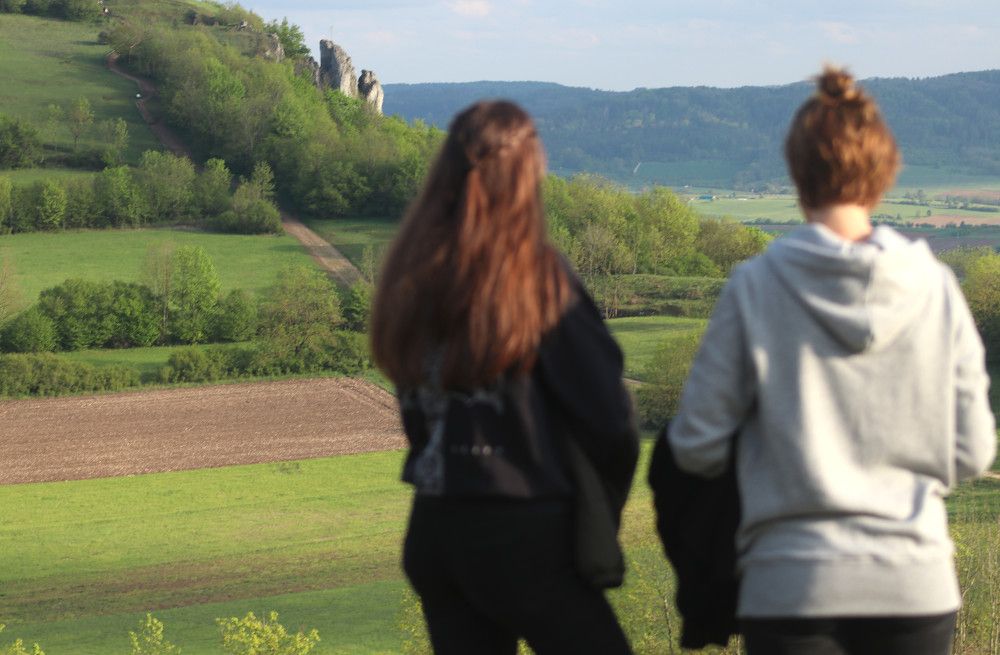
<point x="853" y="379"/>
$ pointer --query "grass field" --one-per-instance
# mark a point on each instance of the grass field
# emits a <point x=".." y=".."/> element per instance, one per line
<point x="25" y="176"/>
<point x="780" y="208"/>
<point x="352" y="235"/>
<point x="640" y="336"/>
<point x="45" y="62"/>
<point x="44" y="259"/>
<point x="317" y="540"/>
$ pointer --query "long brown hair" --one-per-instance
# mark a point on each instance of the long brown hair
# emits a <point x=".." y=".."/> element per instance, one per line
<point x="471" y="270"/>
<point x="839" y="150"/>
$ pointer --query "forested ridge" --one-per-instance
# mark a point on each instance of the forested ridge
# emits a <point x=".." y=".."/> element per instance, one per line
<point x="724" y="137"/>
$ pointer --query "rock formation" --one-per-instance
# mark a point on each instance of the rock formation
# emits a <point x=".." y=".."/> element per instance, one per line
<point x="336" y="69"/>
<point x="370" y="90"/>
<point x="310" y="67"/>
<point x="272" y="48"/>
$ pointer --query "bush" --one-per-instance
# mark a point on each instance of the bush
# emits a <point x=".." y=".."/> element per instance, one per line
<point x="356" y="304"/>
<point x="665" y="374"/>
<point x="19" y="143"/>
<point x="235" y="317"/>
<point x="30" y="331"/>
<point x="194" y="365"/>
<point x="253" y="636"/>
<point x="49" y="375"/>
<point x="101" y="314"/>
<point x="982" y="290"/>
<point x="150" y="640"/>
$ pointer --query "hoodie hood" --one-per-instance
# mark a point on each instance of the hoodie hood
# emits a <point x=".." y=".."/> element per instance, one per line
<point x="863" y="293"/>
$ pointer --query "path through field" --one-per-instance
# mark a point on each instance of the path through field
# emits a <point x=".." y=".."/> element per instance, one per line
<point x="177" y="429"/>
<point x="328" y="258"/>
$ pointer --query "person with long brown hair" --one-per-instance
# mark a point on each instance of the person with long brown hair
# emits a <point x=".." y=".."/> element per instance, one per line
<point x="847" y="365"/>
<point x="501" y="362"/>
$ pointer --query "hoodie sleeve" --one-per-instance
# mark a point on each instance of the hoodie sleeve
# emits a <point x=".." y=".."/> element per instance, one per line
<point x="975" y="428"/>
<point x="717" y="394"/>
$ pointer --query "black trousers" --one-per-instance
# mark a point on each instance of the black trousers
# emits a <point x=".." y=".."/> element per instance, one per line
<point x="490" y="572"/>
<point x="891" y="635"/>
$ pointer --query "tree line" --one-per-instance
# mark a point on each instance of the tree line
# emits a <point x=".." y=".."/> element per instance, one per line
<point x="163" y="189"/>
<point x="65" y="9"/>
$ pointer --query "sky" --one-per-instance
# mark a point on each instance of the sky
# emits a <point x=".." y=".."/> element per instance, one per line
<point x="620" y="45"/>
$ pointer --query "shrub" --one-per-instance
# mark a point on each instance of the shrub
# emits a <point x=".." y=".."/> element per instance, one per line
<point x="49" y="375"/>
<point x="982" y="290"/>
<point x="356" y="304"/>
<point x="150" y="640"/>
<point x="351" y="354"/>
<point x="253" y="636"/>
<point x="29" y="332"/>
<point x="235" y="317"/>
<point x="80" y="311"/>
<point x="665" y="374"/>
<point x="194" y="365"/>
<point x="20" y="146"/>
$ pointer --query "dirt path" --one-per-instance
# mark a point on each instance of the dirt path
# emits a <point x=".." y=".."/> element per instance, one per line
<point x="166" y="136"/>
<point x="178" y="429"/>
<point x="340" y="269"/>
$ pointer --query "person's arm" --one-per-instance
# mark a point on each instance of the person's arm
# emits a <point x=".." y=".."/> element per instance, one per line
<point x="717" y="394"/>
<point x="975" y="428"/>
<point x="582" y="368"/>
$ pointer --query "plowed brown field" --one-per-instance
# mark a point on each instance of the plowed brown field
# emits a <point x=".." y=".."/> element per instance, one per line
<point x="178" y="429"/>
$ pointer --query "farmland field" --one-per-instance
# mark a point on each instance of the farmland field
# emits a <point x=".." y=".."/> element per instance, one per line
<point x="44" y="259"/>
<point x="45" y="62"/>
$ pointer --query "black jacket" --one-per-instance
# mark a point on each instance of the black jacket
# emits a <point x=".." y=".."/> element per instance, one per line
<point x="697" y="519"/>
<point x="506" y="440"/>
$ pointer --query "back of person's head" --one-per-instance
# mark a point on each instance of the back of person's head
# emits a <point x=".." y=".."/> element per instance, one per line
<point x="838" y="149"/>
<point x="470" y="269"/>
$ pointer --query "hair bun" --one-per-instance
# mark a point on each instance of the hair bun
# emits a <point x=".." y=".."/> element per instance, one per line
<point x="836" y="85"/>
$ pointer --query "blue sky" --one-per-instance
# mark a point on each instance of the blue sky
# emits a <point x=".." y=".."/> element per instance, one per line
<point x="622" y="45"/>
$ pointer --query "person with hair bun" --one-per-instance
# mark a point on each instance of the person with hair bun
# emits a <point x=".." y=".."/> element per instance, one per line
<point x="506" y="376"/>
<point x="847" y="365"/>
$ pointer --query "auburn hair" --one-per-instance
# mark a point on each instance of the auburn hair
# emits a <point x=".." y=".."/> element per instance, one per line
<point x="838" y="149"/>
<point x="471" y="271"/>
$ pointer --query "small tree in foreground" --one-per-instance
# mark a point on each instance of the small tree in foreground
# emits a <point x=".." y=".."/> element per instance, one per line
<point x="150" y="640"/>
<point x="17" y="648"/>
<point x="253" y="636"/>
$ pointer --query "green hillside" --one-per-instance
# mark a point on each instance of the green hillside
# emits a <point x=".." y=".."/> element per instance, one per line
<point x="728" y="138"/>
<point x="53" y="62"/>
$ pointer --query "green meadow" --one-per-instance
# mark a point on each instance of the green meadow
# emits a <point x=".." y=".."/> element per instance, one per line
<point x="782" y="208"/>
<point x="317" y="540"/>
<point x="352" y="236"/>
<point x="641" y="336"/>
<point x="44" y="62"/>
<point x="44" y="259"/>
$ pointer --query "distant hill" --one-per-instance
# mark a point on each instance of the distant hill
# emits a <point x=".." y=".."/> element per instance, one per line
<point x="706" y="136"/>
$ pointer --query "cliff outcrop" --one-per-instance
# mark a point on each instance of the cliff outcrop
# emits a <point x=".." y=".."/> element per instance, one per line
<point x="335" y="70"/>
<point x="370" y="90"/>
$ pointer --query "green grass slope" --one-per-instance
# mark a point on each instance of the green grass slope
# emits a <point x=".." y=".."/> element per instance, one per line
<point x="45" y="61"/>
<point x="318" y="540"/>
<point x="44" y="259"/>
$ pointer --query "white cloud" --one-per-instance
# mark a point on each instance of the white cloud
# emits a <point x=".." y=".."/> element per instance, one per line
<point x="474" y="8"/>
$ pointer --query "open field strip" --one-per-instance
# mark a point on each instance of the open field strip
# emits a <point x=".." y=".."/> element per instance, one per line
<point x="641" y="336"/>
<point x="785" y="208"/>
<point x="45" y="62"/>
<point x="352" y="235"/>
<point x="44" y="259"/>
